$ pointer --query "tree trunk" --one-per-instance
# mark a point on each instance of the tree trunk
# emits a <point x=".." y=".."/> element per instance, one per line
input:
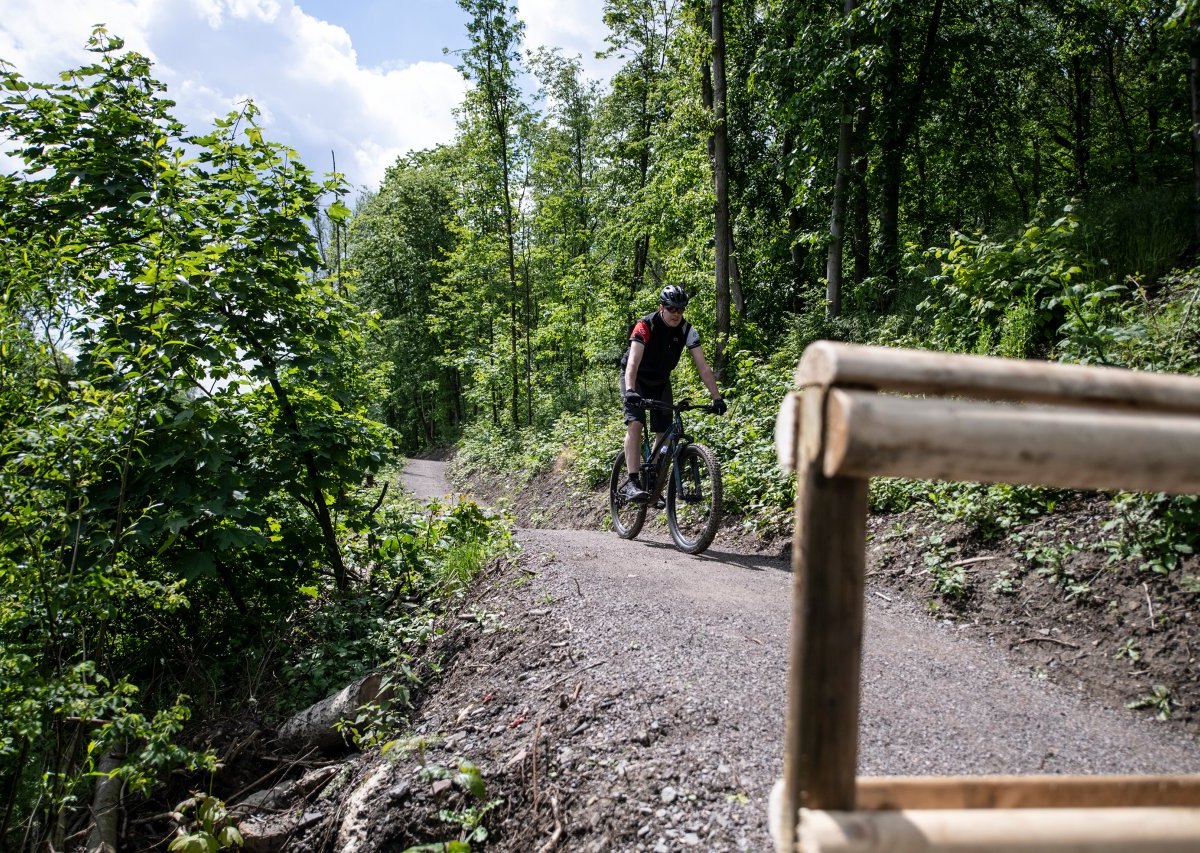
<point x="891" y="154"/>
<point x="903" y="106"/>
<point x="735" y="273"/>
<point x="106" y="803"/>
<point x="529" y="315"/>
<point x="1194" y="83"/>
<point x="1081" y="108"/>
<point x="860" y="203"/>
<point x="721" y="177"/>
<point x="1115" y="90"/>
<point x="735" y="278"/>
<point x="795" y="225"/>
<point x="315" y="726"/>
<point x="837" y="218"/>
<point x="316" y="498"/>
<point x="492" y="364"/>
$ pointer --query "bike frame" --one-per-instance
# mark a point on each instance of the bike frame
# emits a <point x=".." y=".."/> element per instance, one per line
<point x="674" y="438"/>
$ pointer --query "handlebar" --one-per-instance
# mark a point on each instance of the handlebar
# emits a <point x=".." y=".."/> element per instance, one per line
<point x="683" y="405"/>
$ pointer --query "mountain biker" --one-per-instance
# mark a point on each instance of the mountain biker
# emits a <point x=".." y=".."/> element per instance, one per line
<point x="656" y="343"/>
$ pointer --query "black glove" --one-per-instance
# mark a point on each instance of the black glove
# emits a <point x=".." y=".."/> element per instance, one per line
<point x="633" y="398"/>
<point x="719" y="407"/>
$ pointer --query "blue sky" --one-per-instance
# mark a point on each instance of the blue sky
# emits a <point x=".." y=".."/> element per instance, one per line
<point x="364" y="79"/>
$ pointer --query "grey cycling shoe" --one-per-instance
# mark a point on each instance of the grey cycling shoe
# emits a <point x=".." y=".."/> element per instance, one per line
<point x="634" y="493"/>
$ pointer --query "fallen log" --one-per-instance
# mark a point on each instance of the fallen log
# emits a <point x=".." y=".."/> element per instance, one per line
<point x="316" y="725"/>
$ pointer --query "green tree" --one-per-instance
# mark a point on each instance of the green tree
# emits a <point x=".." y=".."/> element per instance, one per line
<point x="185" y="416"/>
<point x="493" y="163"/>
<point x="399" y="241"/>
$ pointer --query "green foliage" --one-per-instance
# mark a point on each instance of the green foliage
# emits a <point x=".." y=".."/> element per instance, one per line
<point x="1139" y="233"/>
<point x="469" y="818"/>
<point x="1155" y="530"/>
<point x="522" y="452"/>
<point x="1130" y="650"/>
<point x="186" y="424"/>
<point x="591" y="438"/>
<point x="1159" y="700"/>
<point x="949" y="575"/>
<point x="744" y="440"/>
<point x="894" y="494"/>
<point x="1032" y="295"/>
<point x="418" y="556"/>
<point x="208" y="830"/>
<point x="990" y="511"/>
<point x="398" y="242"/>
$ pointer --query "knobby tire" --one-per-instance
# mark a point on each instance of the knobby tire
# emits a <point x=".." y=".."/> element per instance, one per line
<point x="694" y="499"/>
<point x="627" y="517"/>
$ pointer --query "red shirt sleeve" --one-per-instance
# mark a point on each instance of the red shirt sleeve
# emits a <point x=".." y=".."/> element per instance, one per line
<point x="641" y="332"/>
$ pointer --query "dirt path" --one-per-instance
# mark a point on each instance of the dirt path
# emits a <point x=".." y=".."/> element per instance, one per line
<point x="628" y="697"/>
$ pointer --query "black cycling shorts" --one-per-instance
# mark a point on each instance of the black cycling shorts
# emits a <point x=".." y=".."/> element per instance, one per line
<point x="660" y="420"/>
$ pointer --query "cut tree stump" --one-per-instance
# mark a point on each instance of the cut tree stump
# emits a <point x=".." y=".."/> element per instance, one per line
<point x="314" y="727"/>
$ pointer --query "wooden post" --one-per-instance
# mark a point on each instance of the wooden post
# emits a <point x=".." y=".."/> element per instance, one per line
<point x="821" y="729"/>
<point x="1091" y="428"/>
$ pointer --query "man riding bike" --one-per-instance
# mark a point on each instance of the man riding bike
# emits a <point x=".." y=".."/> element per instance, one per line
<point x="656" y="343"/>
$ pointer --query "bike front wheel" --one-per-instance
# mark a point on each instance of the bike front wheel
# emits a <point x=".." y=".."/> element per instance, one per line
<point x="694" y="499"/>
<point x="627" y="516"/>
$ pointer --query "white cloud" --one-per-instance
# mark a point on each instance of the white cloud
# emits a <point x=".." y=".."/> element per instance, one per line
<point x="576" y="26"/>
<point x="302" y="72"/>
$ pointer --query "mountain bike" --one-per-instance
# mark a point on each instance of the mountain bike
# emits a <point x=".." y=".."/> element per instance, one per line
<point x="691" y="475"/>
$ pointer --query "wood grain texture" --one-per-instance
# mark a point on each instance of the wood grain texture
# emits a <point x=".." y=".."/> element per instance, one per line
<point x="1132" y="830"/>
<point x="872" y="434"/>
<point x="826" y="364"/>
<point x="1023" y="792"/>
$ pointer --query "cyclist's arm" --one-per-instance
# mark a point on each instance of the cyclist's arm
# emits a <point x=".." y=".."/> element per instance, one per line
<point x="706" y="374"/>
<point x="636" y="350"/>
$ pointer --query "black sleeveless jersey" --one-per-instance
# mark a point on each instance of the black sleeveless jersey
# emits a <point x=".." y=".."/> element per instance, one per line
<point x="663" y="344"/>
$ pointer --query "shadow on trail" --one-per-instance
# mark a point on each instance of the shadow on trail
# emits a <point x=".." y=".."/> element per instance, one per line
<point x="754" y="562"/>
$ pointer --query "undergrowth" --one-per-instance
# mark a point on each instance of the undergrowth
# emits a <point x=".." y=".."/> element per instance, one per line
<point x="415" y="564"/>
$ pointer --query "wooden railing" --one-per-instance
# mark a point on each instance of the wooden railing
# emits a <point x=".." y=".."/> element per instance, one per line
<point x="868" y="411"/>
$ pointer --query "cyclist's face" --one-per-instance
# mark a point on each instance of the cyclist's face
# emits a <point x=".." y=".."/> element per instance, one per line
<point x="673" y="316"/>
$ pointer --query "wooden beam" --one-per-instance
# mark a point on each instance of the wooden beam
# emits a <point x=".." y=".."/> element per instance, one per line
<point x="821" y="728"/>
<point x="826" y="364"/>
<point x="937" y="439"/>
<point x="1023" y="792"/>
<point x="1134" y="830"/>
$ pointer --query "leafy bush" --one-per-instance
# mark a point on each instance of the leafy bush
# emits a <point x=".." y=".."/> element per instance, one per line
<point x="1140" y="231"/>
<point x="1156" y="530"/>
<point x="591" y="438"/>
<point x="417" y="558"/>
<point x="990" y="511"/>
<point x="744" y="440"/>
<point x="1034" y="295"/>
<point x="185" y="424"/>
<point x="502" y="450"/>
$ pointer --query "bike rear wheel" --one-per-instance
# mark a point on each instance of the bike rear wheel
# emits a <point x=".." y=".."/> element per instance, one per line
<point x="694" y="499"/>
<point x="627" y="517"/>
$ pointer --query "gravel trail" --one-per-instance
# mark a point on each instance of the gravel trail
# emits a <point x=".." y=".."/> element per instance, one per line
<point x="681" y="664"/>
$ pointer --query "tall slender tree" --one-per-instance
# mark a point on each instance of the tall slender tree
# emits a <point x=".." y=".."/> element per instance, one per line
<point x="492" y="116"/>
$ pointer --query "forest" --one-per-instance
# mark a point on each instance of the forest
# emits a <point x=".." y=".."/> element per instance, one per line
<point x="213" y="359"/>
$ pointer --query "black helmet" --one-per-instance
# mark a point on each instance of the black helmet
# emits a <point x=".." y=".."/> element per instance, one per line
<point x="673" y="296"/>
